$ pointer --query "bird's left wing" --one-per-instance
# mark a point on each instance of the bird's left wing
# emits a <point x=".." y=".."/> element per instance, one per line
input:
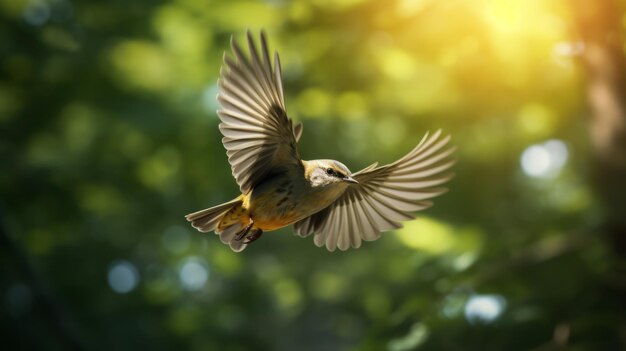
<point x="384" y="197"/>
<point x="258" y="136"/>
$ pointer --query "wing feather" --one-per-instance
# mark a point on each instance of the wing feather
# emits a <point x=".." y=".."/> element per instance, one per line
<point x="343" y="241"/>
<point x="384" y="197"/>
<point x="369" y="229"/>
<point x="278" y="78"/>
<point x="355" y="228"/>
<point x="258" y="135"/>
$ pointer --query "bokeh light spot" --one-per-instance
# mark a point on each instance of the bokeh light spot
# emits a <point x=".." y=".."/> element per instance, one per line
<point x="453" y="304"/>
<point x="407" y="8"/>
<point x="37" y="13"/>
<point x="193" y="274"/>
<point x="569" y="48"/>
<point x="123" y="277"/>
<point x="79" y="126"/>
<point x="328" y="286"/>
<point x="535" y="161"/>
<point x="482" y="309"/>
<point x="160" y="170"/>
<point x="427" y="235"/>
<point x="416" y="336"/>
<point x="352" y="105"/>
<point x="506" y="15"/>
<point x="288" y="294"/>
<point x="143" y="65"/>
<point x="536" y="120"/>
<point x="544" y="160"/>
<point x="314" y="103"/>
<point x="209" y="99"/>
<point x="397" y="64"/>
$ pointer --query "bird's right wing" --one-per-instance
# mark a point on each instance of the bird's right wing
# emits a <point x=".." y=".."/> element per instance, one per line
<point x="384" y="197"/>
<point x="258" y="136"/>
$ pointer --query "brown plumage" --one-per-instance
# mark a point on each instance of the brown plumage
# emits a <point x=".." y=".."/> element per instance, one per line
<point x="320" y="197"/>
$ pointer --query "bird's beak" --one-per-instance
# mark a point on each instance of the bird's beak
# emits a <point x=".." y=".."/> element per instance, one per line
<point x="350" y="180"/>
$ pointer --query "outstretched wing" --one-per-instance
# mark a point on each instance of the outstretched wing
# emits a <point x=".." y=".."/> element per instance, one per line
<point x="258" y="136"/>
<point x="384" y="197"/>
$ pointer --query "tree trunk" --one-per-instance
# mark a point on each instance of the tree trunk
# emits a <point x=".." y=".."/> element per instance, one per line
<point x="599" y="26"/>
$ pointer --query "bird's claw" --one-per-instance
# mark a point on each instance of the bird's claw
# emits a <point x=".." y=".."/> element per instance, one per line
<point x="254" y="236"/>
<point x="245" y="231"/>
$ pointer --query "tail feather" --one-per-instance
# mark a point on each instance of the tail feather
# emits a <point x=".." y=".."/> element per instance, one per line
<point x="216" y="219"/>
<point x="237" y="245"/>
<point x="228" y="235"/>
<point x="207" y="220"/>
<point x="230" y="232"/>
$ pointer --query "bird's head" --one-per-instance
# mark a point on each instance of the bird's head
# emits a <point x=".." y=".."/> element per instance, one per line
<point x="328" y="172"/>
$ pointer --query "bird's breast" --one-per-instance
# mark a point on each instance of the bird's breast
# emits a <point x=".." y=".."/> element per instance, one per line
<point x="270" y="212"/>
<point x="282" y="201"/>
<point x="273" y="203"/>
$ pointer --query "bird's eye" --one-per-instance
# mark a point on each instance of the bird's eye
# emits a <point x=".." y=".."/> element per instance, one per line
<point x="330" y="171"/>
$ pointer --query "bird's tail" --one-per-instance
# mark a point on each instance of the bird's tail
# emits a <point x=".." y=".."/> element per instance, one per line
<point x="207" y="220"/>
<point x="226" y="220"/>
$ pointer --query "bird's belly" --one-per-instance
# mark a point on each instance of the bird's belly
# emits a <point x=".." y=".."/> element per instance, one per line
<point x="274" y="205"/>
<point x="268" y="223"/>
<point x="270" y="214"/>
<point x="279" y="203"/>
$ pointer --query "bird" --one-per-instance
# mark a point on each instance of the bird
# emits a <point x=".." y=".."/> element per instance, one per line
<point x="320" y="197"/>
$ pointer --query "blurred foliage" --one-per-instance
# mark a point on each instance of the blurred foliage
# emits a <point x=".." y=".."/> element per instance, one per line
<point x="109" y="137"/>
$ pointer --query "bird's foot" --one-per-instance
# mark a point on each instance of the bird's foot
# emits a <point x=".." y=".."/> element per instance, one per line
<point x="254" y="236"/>
<point x="245" y="231"/>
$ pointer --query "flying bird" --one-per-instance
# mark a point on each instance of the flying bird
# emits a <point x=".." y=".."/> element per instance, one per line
<point x="321" y="197"/>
